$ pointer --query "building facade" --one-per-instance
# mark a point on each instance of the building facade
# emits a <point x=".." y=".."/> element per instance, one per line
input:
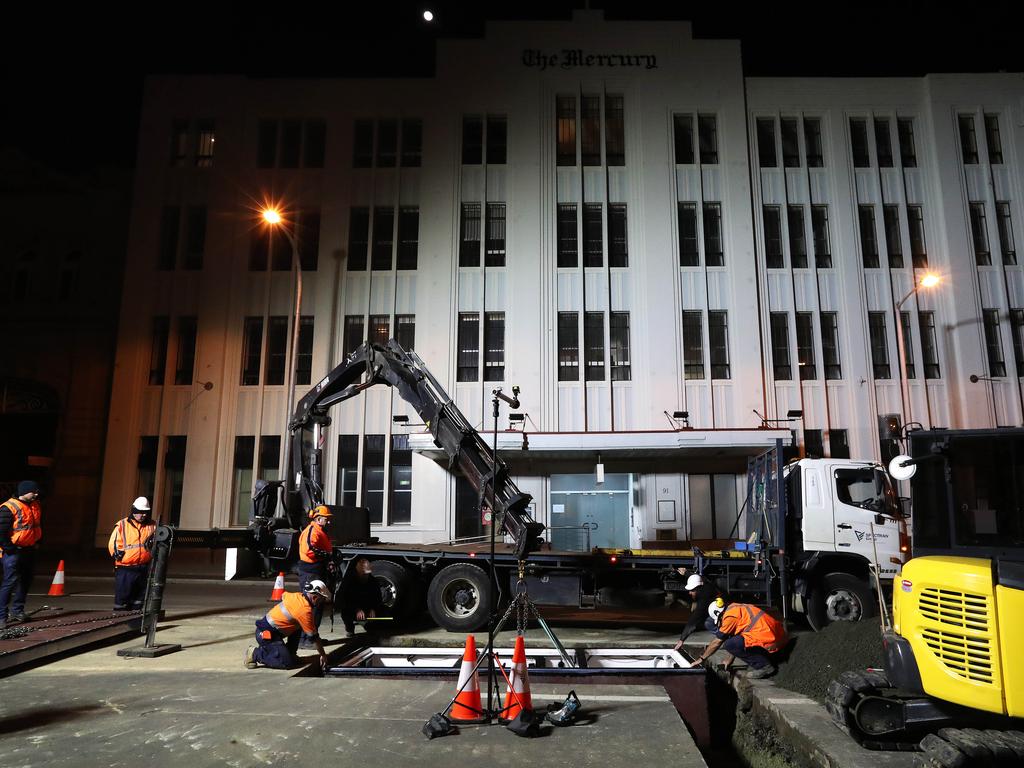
<point x="676" y="263"/>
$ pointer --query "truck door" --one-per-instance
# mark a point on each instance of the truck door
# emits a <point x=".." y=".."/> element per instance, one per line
<point x="859" y="495"/>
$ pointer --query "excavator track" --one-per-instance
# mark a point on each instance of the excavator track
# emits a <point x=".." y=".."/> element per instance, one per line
<point x="846" y="693"/>
<point x="971" y="748"/>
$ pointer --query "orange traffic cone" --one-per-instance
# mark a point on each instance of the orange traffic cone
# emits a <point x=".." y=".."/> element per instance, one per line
<point x="57" y="587"/>
<point x="518" y="696"/>
<point x="278" y="592"/>
<point x="468" y="707"/>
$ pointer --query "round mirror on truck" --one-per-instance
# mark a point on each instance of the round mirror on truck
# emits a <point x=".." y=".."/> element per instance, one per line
<point x="899" y="469"/>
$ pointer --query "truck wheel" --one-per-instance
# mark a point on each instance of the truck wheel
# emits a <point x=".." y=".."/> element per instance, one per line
<point x="459" y="598"/>
<point x="399" y="591"/>
<point x="840" y="597"/>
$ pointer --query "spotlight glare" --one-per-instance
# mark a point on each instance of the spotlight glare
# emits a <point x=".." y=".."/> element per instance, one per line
<point x="428" y="15"/>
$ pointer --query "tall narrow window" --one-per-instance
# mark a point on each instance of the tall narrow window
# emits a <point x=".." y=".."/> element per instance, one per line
<point x="618" y="345"/>
<point x="179" y="143"/>
<point x="718" y="343"/>
<point x="195" y="237"/>
<point x="929" y="346"/>
<point x="469" y="240"/>
<point x="146" y="481"/>
<point x="859" y="142"/>
<point x="879" y="345"/>
<point x="358" y="238"/>
<point x="614" y="131"/>
<point x="782" y="368"/>
<point x="241" y="479"/>
<point x="158" y="349"/>
<point x="354" y="334"/>
<point x="362" y="144"/>
<point x="400" y="500"/>
<point x="797" y="236"/>
<point x="408" y="236"/>
<point x="689" y="250"/>
<point x="565" y="108"/>
<point x="993" y="140"/>
<point x="494" y="255"/>
<point x="174" y="477"/>
<point x="766" y="142"/>
<point x="568" y="247"/>
<point x="412" y="143"/>
<point x="374" y="450"/>
<point x="185" y="359"/>
<point x="593" y="345"/>
<point x="707" y="129"/>
<point x="1017" y="327"/>
<point x="252" y="349"/>
<point x="1006" y="245"/>
<point x="383" y="238"/>
<point x="883" y="142"/>
<point x="472" y="140"/>
<point x="790" y="142"/>
<point x="714" y="255"/>
<point x="618" y="251"/>
<point x="979" y="234"/>
<point x="468" y="366"/>
<point x="918" y="249"/>
<point x="813" y="446"/>
<point x="494" y="346"/>
<point x="968" y="140"/>
<point x="405" y="331"/>
<point x="812" y="142"/>
<point x="590" y="130"/>
<point x="993" y="343"/>
<point x="693" y="344"/>
<point x="773" y="237"/>
<point x="908" y="152"/>
<point x="379" y="330"/>
<point x="868" y="240"/>
<point x="291" y="143"/>
<point x="497" y="140"/>
<point x="304" y="356"/>
<point x="387" y="143"/>
<point x="822" y="246"/>
<point x="348" y="471"/>
<point x="568" y="346"/>
<point x="839" y="444"/>
<point x="170" y="223"/>
<point x="908" y="346"/>
<point x="593" y="240"/>
<point x="269" y="460"/>
<point x="277" y="347"/>
<point x="893" y="240"/>
<point x="805" y="346"/>
<point x="280" y="250"/>
<point x="205" y="138"/>
<point x="682" y="136"/>
<point x="314" y="145"/>
<point x="830" y="357"/>
<point x="307" y="229"/>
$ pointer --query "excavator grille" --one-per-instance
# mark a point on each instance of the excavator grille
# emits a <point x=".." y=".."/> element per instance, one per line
<point x="959" y="621"/>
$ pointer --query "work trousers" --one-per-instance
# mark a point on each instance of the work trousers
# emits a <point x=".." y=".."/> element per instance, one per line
<point x="18" y="565"/>
<point x="753" y="656"/>
<point x="130" y="587"/>
<point x="274" y="650"/>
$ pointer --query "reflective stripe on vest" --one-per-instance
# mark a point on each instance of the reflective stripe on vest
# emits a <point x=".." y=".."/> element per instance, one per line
<point x="144" y="532"/>
<point x="25" y="529"/>
<point x="754" y="620"/>
<point x="283" y="609"/>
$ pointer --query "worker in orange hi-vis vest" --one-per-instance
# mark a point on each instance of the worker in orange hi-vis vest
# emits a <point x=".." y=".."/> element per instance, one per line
<point x="131" y="544"/>
<point x="748" y="633"/>
<point x="277" y="633"/>
<point x="20" y="531"/>
<point x="315" y="551"/>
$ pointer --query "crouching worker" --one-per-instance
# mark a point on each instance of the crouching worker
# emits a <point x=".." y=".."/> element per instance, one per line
<point x="131" y="546"/>
<point x="748" y="633"/>
<point x="277" y="633"/>
<point x="360" y="594"/>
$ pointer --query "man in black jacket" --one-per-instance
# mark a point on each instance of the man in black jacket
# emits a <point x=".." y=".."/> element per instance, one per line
<point x="360" y="594"/>
<point x="703" y="593"/>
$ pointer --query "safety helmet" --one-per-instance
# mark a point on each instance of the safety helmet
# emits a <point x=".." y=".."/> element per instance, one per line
<point x="317" y="587"/>
<point x="715" y="609"/>
<point x="321" y="511"/>
<point x="141" y="504"/>
<point x="695" y="580"/>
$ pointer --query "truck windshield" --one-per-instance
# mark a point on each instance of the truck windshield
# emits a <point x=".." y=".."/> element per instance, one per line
<point x="867" y="488"/>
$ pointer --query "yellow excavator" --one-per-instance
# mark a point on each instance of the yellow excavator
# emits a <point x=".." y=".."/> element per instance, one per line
<point x="953" y="686"/>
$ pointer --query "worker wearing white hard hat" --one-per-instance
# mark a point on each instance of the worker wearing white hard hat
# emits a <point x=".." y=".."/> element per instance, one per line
<point x="131" y="544"/>
<point x="702" y="593"/>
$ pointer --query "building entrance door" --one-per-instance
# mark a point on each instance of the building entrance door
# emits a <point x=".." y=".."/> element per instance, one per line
<point x="580" y="509"/>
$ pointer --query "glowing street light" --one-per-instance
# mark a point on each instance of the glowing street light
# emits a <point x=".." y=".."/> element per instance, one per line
<point x="928" y="280"/>
<point x="428" y="15"/>
<point x="271" y="216"/>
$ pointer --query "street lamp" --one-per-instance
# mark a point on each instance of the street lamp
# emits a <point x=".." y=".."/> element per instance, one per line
<point x="929" y="280"/>
<point x="273" y="218"/>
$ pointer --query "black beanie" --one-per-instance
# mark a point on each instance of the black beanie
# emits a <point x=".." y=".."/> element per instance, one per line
<point x="27" y="486"/>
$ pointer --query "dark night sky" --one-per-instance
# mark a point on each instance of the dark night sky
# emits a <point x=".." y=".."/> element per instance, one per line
<point x="71" y="88"/>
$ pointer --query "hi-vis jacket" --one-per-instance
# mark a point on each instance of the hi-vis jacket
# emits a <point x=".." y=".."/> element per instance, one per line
<point x="755" y="625"/>
<point x="315" y="545"/>
<point x="294" y="612"/>
<point x="130" y="538"/>
<point x="26" y="523"/>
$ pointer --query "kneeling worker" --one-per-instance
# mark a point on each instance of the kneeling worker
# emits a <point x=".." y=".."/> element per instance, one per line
<point x="748" y="633"/>
<point x="131" y="544"/>
<point x="277" y="633"/>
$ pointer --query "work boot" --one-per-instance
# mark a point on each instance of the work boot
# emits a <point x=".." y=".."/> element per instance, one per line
<point x="250" y="657"/>
<point x="18" y="617"/>
<point x="766" y="671"/>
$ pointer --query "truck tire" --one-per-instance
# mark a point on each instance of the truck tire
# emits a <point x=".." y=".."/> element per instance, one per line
<point x="459" y="598"/>
<point x="840" y="597"/>
<point x="399" y="590"/>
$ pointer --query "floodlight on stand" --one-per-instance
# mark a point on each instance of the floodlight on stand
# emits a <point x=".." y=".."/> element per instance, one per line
<point x="400" y="419"/>
<point x="795" y="414"/>
<point x="516" y="418"/>
<point x="683" y="416"/>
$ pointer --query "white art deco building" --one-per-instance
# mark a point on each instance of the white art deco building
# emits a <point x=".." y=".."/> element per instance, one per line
<point x="609" y="215"/>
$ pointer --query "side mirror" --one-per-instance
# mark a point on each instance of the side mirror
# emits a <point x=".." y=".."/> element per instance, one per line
<point x="879" y="519"/>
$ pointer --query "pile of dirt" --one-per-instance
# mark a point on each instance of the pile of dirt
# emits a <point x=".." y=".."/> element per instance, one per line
<point x="814" y="659"/>
<point x="758" y="745"/>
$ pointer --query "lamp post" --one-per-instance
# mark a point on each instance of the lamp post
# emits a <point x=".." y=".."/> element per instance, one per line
<point x="273" y="218"/>
<point x="929" y="280"/>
